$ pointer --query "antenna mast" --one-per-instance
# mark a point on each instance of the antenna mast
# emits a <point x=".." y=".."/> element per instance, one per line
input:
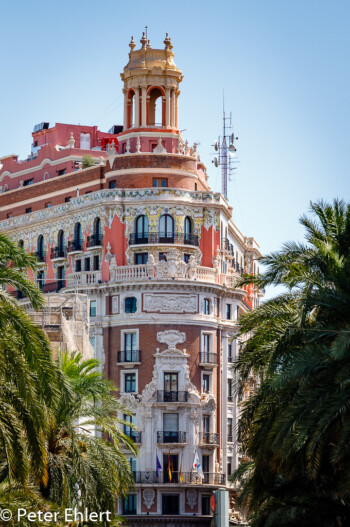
<point x="226" y="149"/>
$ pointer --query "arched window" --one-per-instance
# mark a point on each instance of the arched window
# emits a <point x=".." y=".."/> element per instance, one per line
<point x="97" y="232"/>
<point x="188" y="230"/>
<point x="40" y="248"/>
<point x="131" y="108"/>
<point x="77" y="237"/>
<point x="141" y="229"/>
<point x="60" y="244"/>
<point x="156" y="114"/>
<point x="21" y="244"/>
<point x="166" y="229"/>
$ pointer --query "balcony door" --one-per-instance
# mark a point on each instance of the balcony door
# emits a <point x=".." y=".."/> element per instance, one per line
<point x="170" y="386"/>
<point x="205" y="463"/>
<point x="170" y="504"/>
<point x="130" y="347"/>
<point x="142" y="229"/>
<point x="166" y="229"/>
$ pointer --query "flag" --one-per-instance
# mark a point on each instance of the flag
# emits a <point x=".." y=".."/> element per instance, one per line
<point x="169" y="468"/>
<point x="197" y="466"/>
<point x="181" y="475"/>
<point x="159" y="466"/>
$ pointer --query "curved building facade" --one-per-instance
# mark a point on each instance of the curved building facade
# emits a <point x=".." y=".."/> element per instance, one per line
<point x="159" y="256"/>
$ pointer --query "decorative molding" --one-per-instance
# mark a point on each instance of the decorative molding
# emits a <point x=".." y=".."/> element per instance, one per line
<point x="169" y="303"/>
<point x="192" y="498"/>
<point x="149" y="497"/>
<point x="115" y="305"/>
<point x="171" y="337"/>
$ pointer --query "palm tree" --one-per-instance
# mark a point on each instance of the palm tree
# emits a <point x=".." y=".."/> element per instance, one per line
<point x="28" y="377"/>
<point x="295" y="427"/>
<point x="86" y="466"/>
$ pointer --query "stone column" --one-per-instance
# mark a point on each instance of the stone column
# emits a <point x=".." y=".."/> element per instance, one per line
<point x="125" y="108"/>
<point x="167" y="107"/>
<point x="144" y="106"/>
<point x="137" y="107"/>
<point x="176" y="110"/>
<point x="173" y="108"/>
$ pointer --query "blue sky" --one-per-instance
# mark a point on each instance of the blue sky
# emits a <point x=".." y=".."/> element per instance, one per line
<point x="284" y="66"/>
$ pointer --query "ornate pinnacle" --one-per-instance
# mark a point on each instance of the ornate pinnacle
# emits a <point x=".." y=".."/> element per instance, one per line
<point x="167" y="42"/>
<point x="132" y="44"/>
<point x="143" y="40"/>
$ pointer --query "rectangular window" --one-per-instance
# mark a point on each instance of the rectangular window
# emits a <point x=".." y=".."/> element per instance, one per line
<point x="130" y="382"/>
<point x="62" y="172"/>
<point x="205" y="463"/>
<point x="206" y="343"/>
<point x="86" y="264"/>
<point x="96" y="262"/>
<point x="186" y="258"/>
<point x="77" y="266"/>
<point x="112" y="184"/>
<point x="141" y="258"/>
<point x="229" y="430"/>
<point x="130" y="341"/>
<point x="28" y="210"/>
<point x="67" y="199"/>
<point x="48" y="205"/>
<point x="170" y="503"/>
<point x="206" y="306"/>
<point x="128" y="430"/>
<point x="195" y="186"/>
<point x="229" y="353"/>
<point x="206" y="383"/>
<point x="10" y="215"/>
<point x="228" y="311"/>
<point x="229" y="466"/>
<point x="160" y="182"/>
<point x="205" y="505"/>
<point x="206" y="424"/>
<point x="230" y="390"/>
<point x="85" y="141"/>
<point x="28" y="182"/>
<point x="129" y="504"/>
<point x="92" y="308"/>
<point x="130" y="304"/>
<point x="170" y="422"/>
<point x="170" y="382"/>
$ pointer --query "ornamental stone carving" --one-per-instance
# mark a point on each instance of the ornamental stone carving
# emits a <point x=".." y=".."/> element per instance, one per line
<point x="115" y="304"/>
<point x="149" y="496"/>
<point x="159" y="149"/>
<point x="171" y="337"/>
<point x="191" y="498"/>
<point x="170" y="303"/>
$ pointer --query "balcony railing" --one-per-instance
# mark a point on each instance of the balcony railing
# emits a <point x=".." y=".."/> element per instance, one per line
<point x="129" y="356"/>
<point x="74" y="245"/>
<point x="95" y="240"/>
<point x="137" y="238"/>
<point x="207" y="438"/>
<point x="164" y="396"/>
<point x="171" y="437"/>
<point x="58" y="252"/>
<point x="53" y="287"/>
<point x="152" y="477"/>
<point x="84" y="278"/>
<point x="208" y="358"/>
<point x="135" y="436"/>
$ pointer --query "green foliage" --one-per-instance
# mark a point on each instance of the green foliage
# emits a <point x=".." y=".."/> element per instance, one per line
<point x="296" y="426"/>
<point x="88" y="161"/>
<point x="50" y="454"/>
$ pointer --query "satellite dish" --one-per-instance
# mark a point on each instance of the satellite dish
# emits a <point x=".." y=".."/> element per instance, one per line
<point x="216" y="161"/>
<point x="232" y="149"/>
<point x="216" y="145"/>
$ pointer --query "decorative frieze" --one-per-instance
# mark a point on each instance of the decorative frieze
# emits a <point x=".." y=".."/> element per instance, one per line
<point x="169" y="303"/>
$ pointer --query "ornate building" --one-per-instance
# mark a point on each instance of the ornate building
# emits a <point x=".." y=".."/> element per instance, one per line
<point x="159" y="255"/>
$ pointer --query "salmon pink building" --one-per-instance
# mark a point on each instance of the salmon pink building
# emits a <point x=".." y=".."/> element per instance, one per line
<point x="158" y="254"/>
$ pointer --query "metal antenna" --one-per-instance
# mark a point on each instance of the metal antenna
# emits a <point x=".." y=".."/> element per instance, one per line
<point x="146" y="27"/>
<point x="225" y="148"/>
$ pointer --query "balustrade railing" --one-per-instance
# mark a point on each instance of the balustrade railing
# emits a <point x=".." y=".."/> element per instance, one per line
<point x="208" y="438"/>
<point x="208" y="358"/>
<point x="85" y="278"/>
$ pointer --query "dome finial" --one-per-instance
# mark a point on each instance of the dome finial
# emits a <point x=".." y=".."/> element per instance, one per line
<point x="167" y="42"/>
<point x="143" y="40"/>
<point x="132" y="44"/>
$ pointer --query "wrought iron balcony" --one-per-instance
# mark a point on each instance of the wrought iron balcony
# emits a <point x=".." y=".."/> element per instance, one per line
<point x="162" y="476"/>
<point x="129" y="356"/>
<point x="171" y="437"/>
<point x="74" y="245"/>
<point x="95" y="240"/>
<point x="207" y="438"/>
<point x="134" y="435"/>
<point x="208" y="358"/>
<point x="164" y="396"/>
<point x="58" y="252"/>
<point x="137" y="238"/>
